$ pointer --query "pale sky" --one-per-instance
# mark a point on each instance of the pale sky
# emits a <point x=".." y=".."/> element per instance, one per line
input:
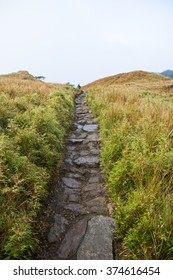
<point x="79" y="41"/>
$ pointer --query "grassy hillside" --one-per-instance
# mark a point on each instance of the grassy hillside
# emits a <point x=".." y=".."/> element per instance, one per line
<point x="34" y="117"/>
<point x="135" y="112"/>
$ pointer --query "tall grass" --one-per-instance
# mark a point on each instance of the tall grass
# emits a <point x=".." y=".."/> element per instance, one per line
<point x="34" y="117"/>
<point x="137" y="160"/>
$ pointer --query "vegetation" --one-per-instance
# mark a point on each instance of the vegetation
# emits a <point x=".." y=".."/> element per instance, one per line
<point x="34" y="117"/>
<point x="135" y="112"/>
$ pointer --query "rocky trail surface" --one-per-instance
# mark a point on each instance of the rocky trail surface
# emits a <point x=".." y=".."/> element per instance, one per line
<point x="81" y="227"/>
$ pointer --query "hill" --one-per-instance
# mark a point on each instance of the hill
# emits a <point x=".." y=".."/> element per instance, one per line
<point x="34" y="118"/>
<point x="130" y="78"/>
<point x="146" y="84"/>
<point x="135" y="113"/>
<point x="168" y="73"/>
<point x="19" y="75"/>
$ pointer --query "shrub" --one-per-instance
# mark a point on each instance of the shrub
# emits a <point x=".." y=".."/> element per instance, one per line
<point x="136" y="158"/>
<point x="33" y="121"/>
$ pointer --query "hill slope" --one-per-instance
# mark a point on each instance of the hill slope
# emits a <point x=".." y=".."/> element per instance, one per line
<point x="135" y="112"/>
<point x="34" y="117"/>
<point x="139" y="77"/>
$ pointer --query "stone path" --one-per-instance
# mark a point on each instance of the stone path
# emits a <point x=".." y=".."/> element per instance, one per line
<point x="82" y="228"/>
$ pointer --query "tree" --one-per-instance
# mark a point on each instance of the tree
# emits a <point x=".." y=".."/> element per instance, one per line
<point x="40" y="77"/>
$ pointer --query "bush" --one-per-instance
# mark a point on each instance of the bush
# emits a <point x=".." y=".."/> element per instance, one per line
<point x="33" y="126"/>
<point x="137" y="162"/>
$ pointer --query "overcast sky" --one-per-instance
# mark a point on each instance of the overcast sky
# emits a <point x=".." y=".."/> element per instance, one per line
<point x="79" y="41"/>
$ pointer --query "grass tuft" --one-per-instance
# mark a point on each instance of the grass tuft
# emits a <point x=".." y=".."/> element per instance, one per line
<point x="136" y="120"/>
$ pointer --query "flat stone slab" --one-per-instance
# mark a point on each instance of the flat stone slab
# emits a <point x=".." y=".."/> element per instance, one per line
<point x="92" y="194"/>
<point x="91" y="187"/>
<point x="78" y="127"/>
<point x="70" y="148"/>
<point x="71" y="195"/>
<point x="71" y="183"/>
<point x="72" y="240"/>
<point x="98" y="201"/>
<point x="93" y="137"/>
<point x="76" y="140"/>
<point x="97" y="242"/>
<point x="76" y="208"/>
<point x="57" y="229"/>
<point x="75" y="175"/>
<point x="94" y="179"/>
<point x="90" y="127"/>
<point x="87" y="160"/>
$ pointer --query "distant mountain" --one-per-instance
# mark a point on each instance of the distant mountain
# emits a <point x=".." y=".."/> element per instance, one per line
<point x="167" y="73"/>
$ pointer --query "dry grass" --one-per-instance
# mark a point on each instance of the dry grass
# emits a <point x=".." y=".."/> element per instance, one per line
<point x="34" y="118"/>
<point x="135" y="111"/>
<point x="22" y="83"/>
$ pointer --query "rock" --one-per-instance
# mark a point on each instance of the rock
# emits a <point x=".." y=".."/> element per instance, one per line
<point x="97" y="242"/>
<point x="68" y="161"/>
<point x="93" y="137"/>
<point x="57" y="229"/>
<point x="90" y="127"/>
<point x="72" y="240"/>
<point x="70" y="148"/>
<point x="71" y="183"/>
<point x="91" y="161"/>
<point x="74" y="197"/>
<point x="80" y="170"/>
<point x="95" y="179"/>
<point x="83" y="135"/>
<point x="76" y="208"/>
<point x="75" y="175"/>
<point x="79" y="127"/>
<point x="98" y="201"/>
<point x="94" y="151"/>
<point x="83" y="153"/>
<point x="93" y="194"/>
<point x="91" y="187"/>
<point x="71" y="195"/>
<point x="75" y="140"/>
<point x="98" y="210"/>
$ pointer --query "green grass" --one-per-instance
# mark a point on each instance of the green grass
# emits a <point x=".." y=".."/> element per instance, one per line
<point x="137" y="160"/>
<point x="34" y="118"/>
